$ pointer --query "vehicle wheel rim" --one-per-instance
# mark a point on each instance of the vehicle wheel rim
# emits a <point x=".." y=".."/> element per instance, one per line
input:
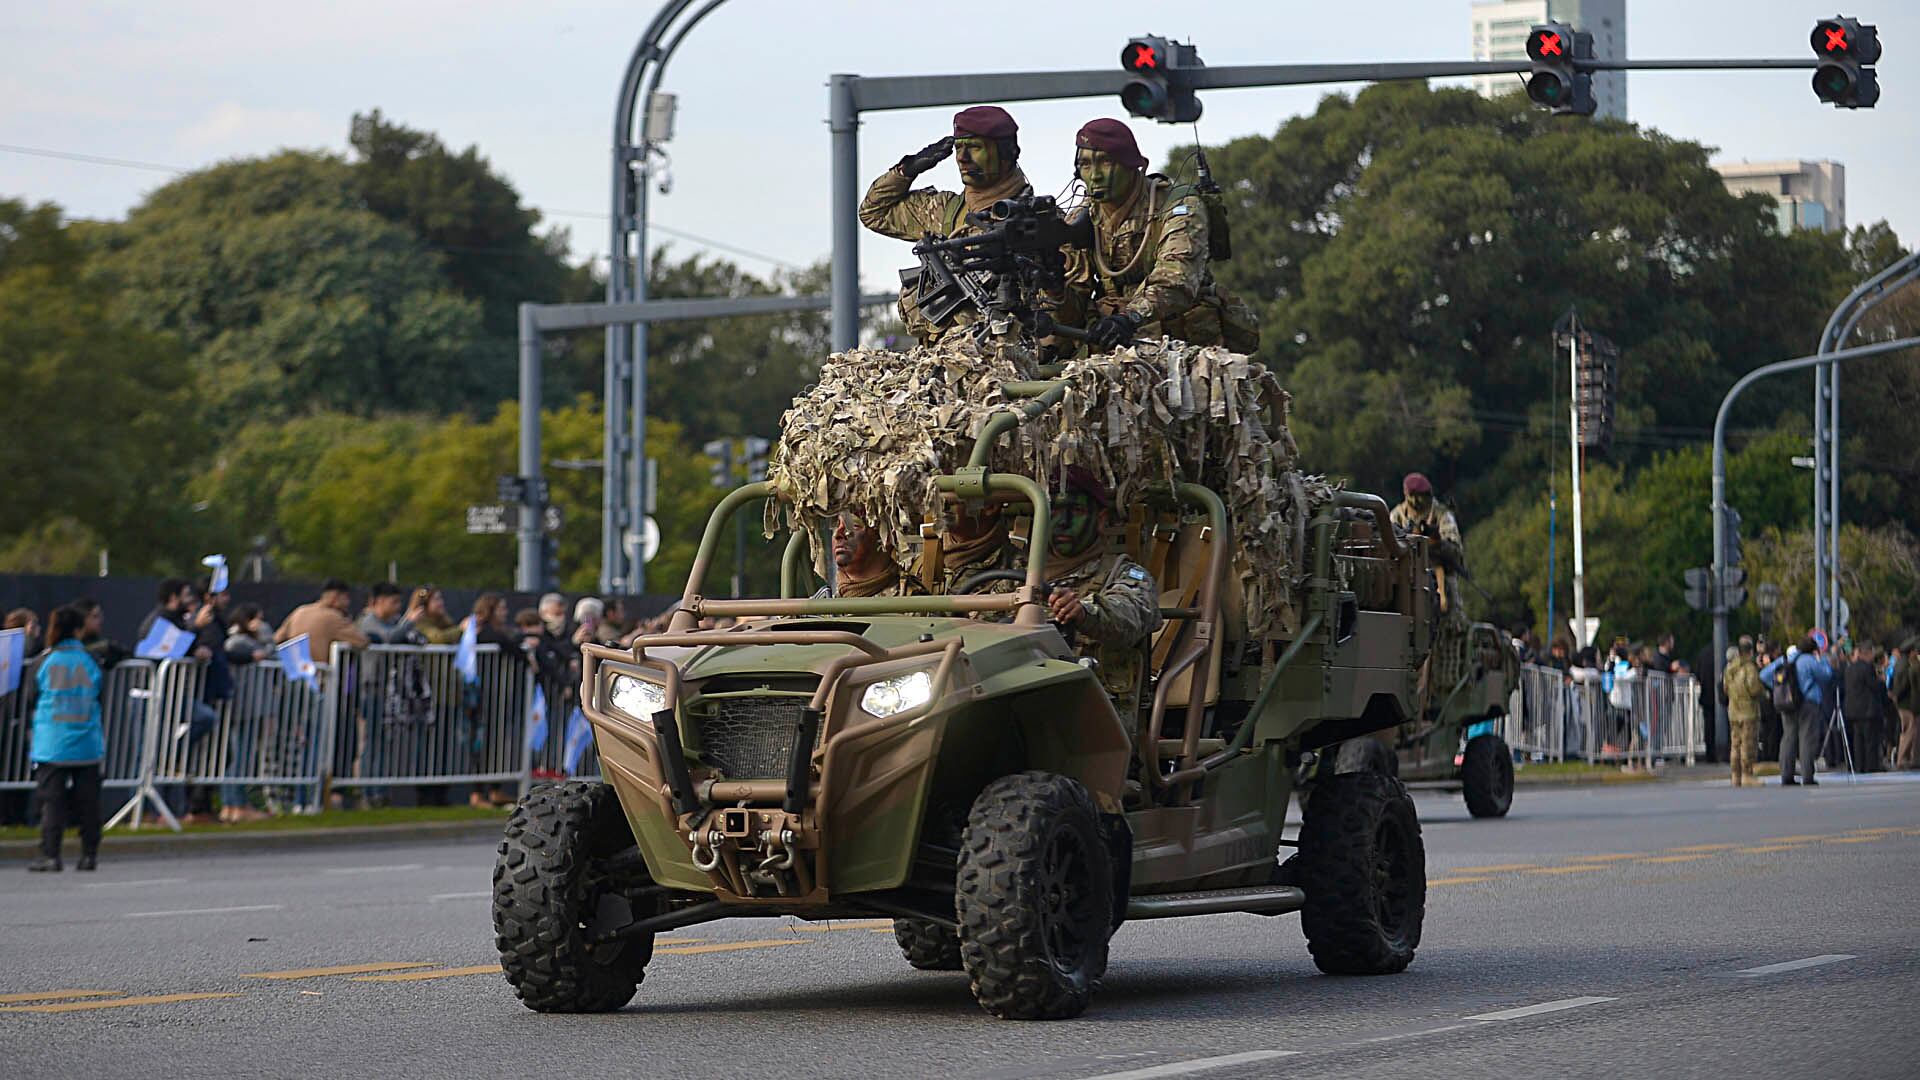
<point x="1390" y="879"/>
<point x="1064" y="900"/>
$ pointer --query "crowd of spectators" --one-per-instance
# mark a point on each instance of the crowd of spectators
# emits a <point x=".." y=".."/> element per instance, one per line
<point x="70" y="655"/>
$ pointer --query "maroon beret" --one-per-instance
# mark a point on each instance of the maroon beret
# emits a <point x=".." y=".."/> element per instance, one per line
<point x="1416" y="484"/>
<point x="1115" y="138"/>
<point x="1081" y="479"/>
<point x="985" y="121"/>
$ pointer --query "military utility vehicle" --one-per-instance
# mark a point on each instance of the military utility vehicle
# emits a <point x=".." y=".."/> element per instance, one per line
<point x="1455" y="742"/>
<point x="973" y="780"/>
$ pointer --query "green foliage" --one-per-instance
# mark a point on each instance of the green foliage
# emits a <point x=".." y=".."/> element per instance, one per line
<point x="1879" y="578"/>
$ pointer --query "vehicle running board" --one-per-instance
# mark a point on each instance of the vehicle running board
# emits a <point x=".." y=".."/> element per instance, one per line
<point x="1258" y="899"/>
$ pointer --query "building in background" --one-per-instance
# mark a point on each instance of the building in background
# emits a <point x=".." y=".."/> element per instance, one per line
<point x="1500" y="33"/>
<point x="1807" y="194"/>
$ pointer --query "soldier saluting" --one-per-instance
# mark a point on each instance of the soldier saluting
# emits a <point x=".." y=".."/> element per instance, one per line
<point x="985" y="145"/>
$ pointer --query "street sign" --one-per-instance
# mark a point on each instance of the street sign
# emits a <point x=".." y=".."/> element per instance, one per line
<point x="1580" y="640"/>
<point x="492" y="519"/>
<point x="646" y="542"/>
<point x="498" y="518"/>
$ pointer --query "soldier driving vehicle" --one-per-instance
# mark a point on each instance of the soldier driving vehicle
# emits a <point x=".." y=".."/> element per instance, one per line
<point x="985" y="146"/>
<point x="975" y="780"/>
<point x="861" y="566"/>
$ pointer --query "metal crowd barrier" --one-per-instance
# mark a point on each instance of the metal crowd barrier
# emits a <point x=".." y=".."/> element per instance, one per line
<point x="372" y="719"/>
<point x="123" y="697"/>
<point x="1658" y="717"/>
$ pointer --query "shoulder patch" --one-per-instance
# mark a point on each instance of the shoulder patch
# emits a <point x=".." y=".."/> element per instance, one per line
<point x="1180" y="211"/>
<point x="1136" y="574"/>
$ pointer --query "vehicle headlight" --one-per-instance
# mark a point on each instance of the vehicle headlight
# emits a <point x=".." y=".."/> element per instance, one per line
<point x="890" y="697"/>
<point x="637" y="698"/>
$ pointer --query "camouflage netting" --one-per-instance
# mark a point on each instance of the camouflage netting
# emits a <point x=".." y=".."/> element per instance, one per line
<point x="871" y="435"/>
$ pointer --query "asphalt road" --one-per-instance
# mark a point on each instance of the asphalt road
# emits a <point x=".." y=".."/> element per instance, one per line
<point x="1672" y="930"/>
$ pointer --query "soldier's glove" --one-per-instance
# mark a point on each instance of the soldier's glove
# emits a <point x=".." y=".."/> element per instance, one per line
<point x="1114" y="330"/>
<point x="929" y="155"/>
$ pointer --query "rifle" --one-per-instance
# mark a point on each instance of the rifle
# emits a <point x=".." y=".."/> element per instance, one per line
<point x="1001" y="270"/>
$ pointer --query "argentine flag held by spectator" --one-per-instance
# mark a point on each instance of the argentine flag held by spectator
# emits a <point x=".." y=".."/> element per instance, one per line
<point x="164" y="642"/>
<point x="13" y="658"/>
<point x="296" y="659"/>
<point x="579" y="737"/>
<point x="537" y="720"/>
<point x="218" y="579"/>
<point x="466" y="655"/>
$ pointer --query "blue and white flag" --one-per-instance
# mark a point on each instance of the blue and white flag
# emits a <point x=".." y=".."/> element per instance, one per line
<point x="296" y="659"/>
<point x="579" y="738"/>
<point x="164" y="641"/>
<point x="13" y="658"/>
<point x="218" y="564"/>
<point x="537" y="720"/>
<point x="466" y="655"/>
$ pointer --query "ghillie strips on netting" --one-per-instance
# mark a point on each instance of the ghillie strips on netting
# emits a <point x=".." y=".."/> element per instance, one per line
<point x="879" y="425"/>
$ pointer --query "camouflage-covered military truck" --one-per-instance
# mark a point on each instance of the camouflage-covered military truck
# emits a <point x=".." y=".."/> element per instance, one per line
<point x="972" y="779"/>
<point x="1455" y="743"/>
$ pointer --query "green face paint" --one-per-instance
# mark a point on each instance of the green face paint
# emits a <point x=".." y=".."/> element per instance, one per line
<point x="978" y="159"/>
<point x="1420" y="503"/>
<point x="1107" y="180"/>
<point x="1076" y="525"/>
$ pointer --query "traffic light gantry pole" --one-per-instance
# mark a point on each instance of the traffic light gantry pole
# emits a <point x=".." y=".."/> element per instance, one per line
<point x="851" y="95"/>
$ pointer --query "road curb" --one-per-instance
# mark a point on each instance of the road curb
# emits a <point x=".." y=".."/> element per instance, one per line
<point x="139" y="845"/>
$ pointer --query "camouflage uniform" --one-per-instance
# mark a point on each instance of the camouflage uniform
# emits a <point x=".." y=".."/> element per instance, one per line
<point x="1169" y="286"/>
<point x="1744" y="691"/>
<point x="995" y="552"/>
<point x="891" y="583"/>
<point x="893" y="207"/>
<point x="1121" y="607"/>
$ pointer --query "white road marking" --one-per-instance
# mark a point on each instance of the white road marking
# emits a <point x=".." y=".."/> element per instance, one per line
<point x="131" y="884"/>
<point x="462" y="896"/>
<point x="1194" y="1065"/>
<point x="370" y="869"/>
<point x="1413" y="1034"/>
<point x="203" y="911"/>
<point x="1795" y="965"/>
<point x="1544" y="1007"/>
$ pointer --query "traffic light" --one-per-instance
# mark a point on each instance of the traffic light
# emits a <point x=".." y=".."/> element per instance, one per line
<point x="1596" y="386"/>
<point x="1846" y="49"/>
<point x="549" y="562"/>
<point x="1733" y="588"/>
<point x="1161" y="86"/>
<point x="1699" y="581"/>
<point x="1731" y="530"/>
<point x="720" y="473"/>
<point x="755" y="451"/>
<point x="1553" y="80"/>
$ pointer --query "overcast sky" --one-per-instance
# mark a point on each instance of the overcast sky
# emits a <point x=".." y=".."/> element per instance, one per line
<point x="187" y="83"/>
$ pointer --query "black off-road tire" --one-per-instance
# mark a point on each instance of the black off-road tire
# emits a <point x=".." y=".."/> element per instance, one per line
<point x="545" y="887"/>
<point x="1366" y="754"/>
<point x="1486" y="776"/>
<point x="1364" y="868"/>
<point x="928" y="945"/>
<point x="1032" y="897"/>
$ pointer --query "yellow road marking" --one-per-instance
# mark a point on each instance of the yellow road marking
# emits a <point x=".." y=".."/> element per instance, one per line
<point x="1675" y="858"/>
<point x="857" y="924"/>
<point x="1704" y="847"/>
<point x="1769" y="847"/>
<point x="1566" y="869"/>
<point x="343" y="969"/>
<point x="1853" y="839"/>
<point x="1501" y="868"/>
<point x="1883" y="831"/>
<point x="678" y="940"/>
<point x="729" y="946"/>
<point x="57" y="995"/>
<point x="444" y="973"/>
<point x="116" y="1003"/>
<point x="1456" y="880"/>
<point x="1603" y="858"/>
<point x="1793" y="839"/>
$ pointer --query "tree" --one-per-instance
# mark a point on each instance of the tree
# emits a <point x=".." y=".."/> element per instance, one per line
<point x="1433" y="238"/>
<point x="293" y="297"/>
<point x="1879" y="579"/>
<point x="96" y="412"/>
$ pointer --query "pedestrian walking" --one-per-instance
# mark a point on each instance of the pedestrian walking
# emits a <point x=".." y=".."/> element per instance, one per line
<point x="69" y="743"/>
<point x="1801" y="684"/>
<point x="1744" y="694"/>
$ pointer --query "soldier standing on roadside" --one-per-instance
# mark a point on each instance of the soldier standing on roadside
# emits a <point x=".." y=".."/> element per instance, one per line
<point x="985" y="145"/>
<point x="1744" y="694"/>
<point x="1148" y="272"/>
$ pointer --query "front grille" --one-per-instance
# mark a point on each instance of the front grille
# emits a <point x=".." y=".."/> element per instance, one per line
<point x="748" y="738"/>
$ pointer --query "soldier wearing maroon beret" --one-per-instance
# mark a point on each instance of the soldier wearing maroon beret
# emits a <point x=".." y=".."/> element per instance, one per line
<point x="985" y="145"/>
<point x="1148" y="273"/>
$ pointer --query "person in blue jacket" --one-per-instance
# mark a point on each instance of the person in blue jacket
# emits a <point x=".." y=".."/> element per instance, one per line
<point x="1802" y="730"/>
<point x="68" y="742"/>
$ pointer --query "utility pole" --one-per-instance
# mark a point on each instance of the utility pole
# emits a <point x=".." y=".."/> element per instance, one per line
<point x="1579" y="535"/>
